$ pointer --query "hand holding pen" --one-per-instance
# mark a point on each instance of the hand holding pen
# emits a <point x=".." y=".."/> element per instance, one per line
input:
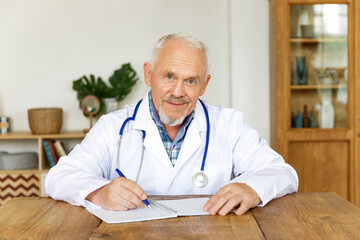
<point x="120" y="194"/>
<point x="122" y="175"/>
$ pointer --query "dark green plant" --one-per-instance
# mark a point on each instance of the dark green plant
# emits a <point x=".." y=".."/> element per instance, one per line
<point x="121" y="83"/>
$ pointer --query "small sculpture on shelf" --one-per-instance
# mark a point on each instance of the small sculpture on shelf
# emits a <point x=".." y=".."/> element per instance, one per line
<point x="306" y="117"/>
<point x="312" y="120"/>
<point x="298" y="120"/>
<point x="328" y="76"/>
<point x="4" y="124"/>
<point x="301" y="71"/>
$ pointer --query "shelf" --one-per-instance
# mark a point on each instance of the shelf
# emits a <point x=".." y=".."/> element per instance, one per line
<point x="21" y="135"/>
<point x="27" y="135"/>
<point x="316" y="87"/>
<point x="318" y="40"/>
<point x="28" y="171"/>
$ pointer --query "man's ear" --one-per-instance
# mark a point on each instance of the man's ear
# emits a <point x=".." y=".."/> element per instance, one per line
<point x="207" y="79"/>
<point x="147" y="73"/>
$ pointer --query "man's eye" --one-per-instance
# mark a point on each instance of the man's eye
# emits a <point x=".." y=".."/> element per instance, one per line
<point x="191" y="82"/>
<point x="169" y="76"/>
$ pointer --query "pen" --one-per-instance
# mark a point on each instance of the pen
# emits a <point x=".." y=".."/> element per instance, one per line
<point x="161" y="206"/>
<point x="122" y="175"/>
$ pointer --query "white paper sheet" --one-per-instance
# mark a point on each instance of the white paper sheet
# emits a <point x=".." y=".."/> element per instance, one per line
<point x="186" y="207"/>
<point x="181" y="207"/>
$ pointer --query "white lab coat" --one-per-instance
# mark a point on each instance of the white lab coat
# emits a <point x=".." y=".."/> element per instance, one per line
<point x="235" y="154"/>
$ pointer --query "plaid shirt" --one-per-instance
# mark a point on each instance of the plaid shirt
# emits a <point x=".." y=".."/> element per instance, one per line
<point x="172" y="148"/>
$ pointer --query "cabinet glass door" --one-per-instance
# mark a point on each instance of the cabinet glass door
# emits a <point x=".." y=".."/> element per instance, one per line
<point x="319" y="66"/>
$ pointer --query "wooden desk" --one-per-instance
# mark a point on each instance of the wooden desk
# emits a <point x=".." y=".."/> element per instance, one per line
<point x="296" y="216"/>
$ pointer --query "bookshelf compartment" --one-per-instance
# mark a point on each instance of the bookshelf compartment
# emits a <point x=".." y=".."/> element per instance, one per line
<point x="17" y="180"/>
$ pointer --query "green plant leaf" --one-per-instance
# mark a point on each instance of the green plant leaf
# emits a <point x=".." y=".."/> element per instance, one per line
<point x="122" y="81"/>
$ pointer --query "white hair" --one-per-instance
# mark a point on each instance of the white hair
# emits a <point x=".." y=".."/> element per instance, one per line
<point x="187" y="38"/>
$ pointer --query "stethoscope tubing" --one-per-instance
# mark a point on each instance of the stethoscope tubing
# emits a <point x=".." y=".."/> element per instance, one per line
<point x="207" y="136"/>
<point x="132" y="118"/>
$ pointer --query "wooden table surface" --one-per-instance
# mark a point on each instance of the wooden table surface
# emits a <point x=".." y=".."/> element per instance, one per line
<point x="295" y="216"/>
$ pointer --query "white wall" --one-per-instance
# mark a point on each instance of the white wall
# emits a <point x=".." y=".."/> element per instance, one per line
<point x="45" y="45"/>
<point x="250" y="62"/>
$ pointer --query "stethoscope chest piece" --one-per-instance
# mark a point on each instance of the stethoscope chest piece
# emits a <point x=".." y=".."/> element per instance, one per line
<point x="200" y="179"/>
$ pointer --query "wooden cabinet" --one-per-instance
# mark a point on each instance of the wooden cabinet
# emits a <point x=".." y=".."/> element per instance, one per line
<point x="29" y="182"/>
<point x="315" y="65"/>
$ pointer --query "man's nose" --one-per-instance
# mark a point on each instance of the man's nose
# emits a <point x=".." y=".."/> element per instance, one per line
<point x="178" y="89"/>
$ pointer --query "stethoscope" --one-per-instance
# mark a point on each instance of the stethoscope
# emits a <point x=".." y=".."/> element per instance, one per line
<point x="199" y="179"/>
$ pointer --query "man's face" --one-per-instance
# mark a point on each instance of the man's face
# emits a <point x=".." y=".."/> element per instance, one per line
<point x="177" y="79"/>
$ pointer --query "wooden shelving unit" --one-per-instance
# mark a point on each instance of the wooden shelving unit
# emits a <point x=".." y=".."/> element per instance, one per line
<point x="326" y="159"/>
<point x="29" y="182"/>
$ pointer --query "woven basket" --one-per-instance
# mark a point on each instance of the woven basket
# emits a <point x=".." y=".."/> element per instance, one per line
<point x="45" y="120"/>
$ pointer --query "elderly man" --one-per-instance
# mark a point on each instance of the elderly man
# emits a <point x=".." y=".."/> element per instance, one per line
<point x="172" y="143"/>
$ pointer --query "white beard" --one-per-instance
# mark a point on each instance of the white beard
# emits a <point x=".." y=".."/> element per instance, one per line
<point x="171" y="122"/>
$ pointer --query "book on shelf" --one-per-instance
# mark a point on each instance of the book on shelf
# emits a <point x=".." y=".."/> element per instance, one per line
<point x="48" y="153"/>
<point x="59" y="149"/>
<point x="52" y="148"/>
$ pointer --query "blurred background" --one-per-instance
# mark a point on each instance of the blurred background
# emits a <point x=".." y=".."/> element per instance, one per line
<point x="47" y="44"/>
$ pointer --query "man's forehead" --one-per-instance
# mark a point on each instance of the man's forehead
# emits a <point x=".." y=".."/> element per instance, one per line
<point x="187" y="56"/>
<point x="175" y="73"/>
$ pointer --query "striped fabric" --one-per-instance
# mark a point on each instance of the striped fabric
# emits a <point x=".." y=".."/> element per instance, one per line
<point x="18" y="185"/>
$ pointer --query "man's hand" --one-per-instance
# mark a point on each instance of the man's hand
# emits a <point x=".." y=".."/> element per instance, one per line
<point x="121" y="194"/>
<point x="232" y="195"/>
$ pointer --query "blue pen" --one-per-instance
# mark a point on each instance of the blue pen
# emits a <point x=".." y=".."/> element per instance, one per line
<point x="122" y="175"/>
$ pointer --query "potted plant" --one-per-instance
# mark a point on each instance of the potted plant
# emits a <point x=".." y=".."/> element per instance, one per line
<point x="120" y="85"/>
<point x="328" y="76"/>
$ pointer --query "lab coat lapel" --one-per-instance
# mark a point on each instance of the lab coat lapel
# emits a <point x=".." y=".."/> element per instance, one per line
<point x="193" y="139"/>
<point x="152" y="142"/>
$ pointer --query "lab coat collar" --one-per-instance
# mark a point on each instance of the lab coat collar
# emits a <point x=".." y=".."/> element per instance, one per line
<point x="193" y="139"/>
<point x="153" y="142"/>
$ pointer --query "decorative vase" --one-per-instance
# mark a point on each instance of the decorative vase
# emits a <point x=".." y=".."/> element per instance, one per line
<point x="326" y="114"/>
<point x="301" y="71"/>
<point x="312" y="120"/>
<point x="111" y="104"/>
<point x="306" y="117"/>
<point x="307" y="31"/>
<point x="327" y="81"/>
<point x="298" y="120"/>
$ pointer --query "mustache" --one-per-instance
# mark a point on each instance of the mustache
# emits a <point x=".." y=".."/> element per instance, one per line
<point x="176" y="99"/>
